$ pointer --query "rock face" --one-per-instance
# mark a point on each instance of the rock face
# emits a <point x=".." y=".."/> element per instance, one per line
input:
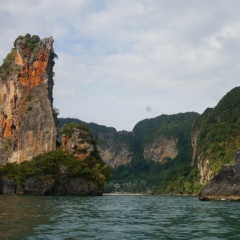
<point x="161" y="149"/>
<point x="205" y="171"/>
<point x="225" y="185"/>
<point x="80" y="143"/>
<point x="49" y="186"/>
<point x="77" y="186"/>
<point x="27" y="126"/>
<point x="7" y="186"/>
<point x="115" y="148"/>
<point x="201" y="159"/>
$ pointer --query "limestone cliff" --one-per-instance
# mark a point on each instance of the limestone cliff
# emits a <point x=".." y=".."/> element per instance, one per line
<point x="154" y="139"/>
<point x="27" y="124"/>
<point x="115" y="148"/>
<point x="161" y="149"/>
<point x="202" y="162"/>
<point x="164" y="137"/>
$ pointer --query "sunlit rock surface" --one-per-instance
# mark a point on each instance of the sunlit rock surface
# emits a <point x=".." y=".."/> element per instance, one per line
<point x="27" y="126"/>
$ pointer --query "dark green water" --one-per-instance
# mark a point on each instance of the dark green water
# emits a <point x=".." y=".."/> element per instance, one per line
<point x="117" y="217"/>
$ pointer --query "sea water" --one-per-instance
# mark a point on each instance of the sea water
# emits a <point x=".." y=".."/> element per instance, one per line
<point x="117" y="217"/>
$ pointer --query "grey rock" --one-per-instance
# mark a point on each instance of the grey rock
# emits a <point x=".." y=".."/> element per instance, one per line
<point x="7" y="186"/>
<point x="78" y="186"/>
<point x="225" y="185"/>
<point x="50" y="186"/>
<point x="35" y="186"/>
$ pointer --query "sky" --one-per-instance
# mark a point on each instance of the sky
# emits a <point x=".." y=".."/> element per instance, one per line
<point x="122" y="61"/>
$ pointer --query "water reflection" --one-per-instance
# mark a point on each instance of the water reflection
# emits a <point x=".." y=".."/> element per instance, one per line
<point x="19" y="215"/>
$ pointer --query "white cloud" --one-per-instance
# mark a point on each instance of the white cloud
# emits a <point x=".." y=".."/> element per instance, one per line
<point x="231" y="31"/>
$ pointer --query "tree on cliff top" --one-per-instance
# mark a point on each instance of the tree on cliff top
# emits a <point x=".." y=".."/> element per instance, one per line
<point x="68" y="129"/>
<point x="28" y="41"/>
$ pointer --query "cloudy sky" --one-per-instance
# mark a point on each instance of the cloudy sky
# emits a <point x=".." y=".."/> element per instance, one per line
<point x="122" y="61"/>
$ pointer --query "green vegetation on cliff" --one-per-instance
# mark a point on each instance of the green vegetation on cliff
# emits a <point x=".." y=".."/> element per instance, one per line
<point x="57" y="163"/>
<point x="68" y="129"/>
<point x="28" y="42"/>
<point x="95" y="128"/>
<point x="170" y="126"/>
<point x="218" y="131"/>
<point x="7" y="66"/>
<point x="176" y="126"/>
<point x="171" y="177"/>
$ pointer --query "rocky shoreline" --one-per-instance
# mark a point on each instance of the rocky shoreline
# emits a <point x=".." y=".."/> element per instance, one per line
<point x="225" y="185"/>
<point x="123" y="194"/>
<point x="50" y="186"/>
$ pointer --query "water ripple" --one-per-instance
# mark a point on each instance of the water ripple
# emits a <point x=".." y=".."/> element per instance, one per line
<point x="117" y="217"/>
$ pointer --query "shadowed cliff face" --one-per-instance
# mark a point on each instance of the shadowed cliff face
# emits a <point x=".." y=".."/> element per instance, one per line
<point x="27" y="126"/>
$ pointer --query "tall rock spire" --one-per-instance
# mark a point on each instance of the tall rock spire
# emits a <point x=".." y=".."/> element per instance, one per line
<point x="27" y="124"/>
